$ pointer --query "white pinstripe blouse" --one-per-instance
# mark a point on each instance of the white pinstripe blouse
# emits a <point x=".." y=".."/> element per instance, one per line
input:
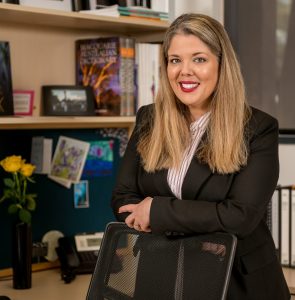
<point x="175" y="176"/>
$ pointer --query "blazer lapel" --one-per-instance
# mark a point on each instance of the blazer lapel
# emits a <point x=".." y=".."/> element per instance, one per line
<point x="197" y="174"/>
<point x="161" y="183"/>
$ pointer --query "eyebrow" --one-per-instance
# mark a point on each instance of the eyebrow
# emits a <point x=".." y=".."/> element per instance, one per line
<point x="196" y="53"/>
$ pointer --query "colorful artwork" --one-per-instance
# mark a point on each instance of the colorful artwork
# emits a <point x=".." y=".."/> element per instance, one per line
<point x="99" y="160"/>
<point x="81" y="199"/>
<point x="69" y="159"/>
<point x="117" y="133"/>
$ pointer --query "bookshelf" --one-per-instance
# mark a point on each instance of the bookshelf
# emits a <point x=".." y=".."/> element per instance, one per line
<point x="10" y="123"/>
<point x="75" y="20"/>
<point x="42" y="48"/>
<point x="42" y="52"/>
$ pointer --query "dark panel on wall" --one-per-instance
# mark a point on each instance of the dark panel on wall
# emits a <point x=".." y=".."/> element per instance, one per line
<point x="287" y="84"/>
<point x="251" y="26"/>
<point x="55" y="208"/>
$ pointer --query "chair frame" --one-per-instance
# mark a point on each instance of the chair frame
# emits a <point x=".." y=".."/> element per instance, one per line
<point x="108" y="246"/>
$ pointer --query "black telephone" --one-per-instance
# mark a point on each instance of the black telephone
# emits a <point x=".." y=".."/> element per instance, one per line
<point x="78" y="254"/>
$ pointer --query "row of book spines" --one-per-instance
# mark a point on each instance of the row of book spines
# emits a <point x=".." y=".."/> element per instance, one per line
<point x="283" y="223"/>
<point x="127" y="51"/>
<point x="147" y="61"/>
<point x="140" y="77"/>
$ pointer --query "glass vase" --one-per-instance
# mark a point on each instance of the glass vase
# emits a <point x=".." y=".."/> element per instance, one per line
<point x="22" y="255"/>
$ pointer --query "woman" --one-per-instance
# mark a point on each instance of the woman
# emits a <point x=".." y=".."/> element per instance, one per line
<point x="201" y="160"/>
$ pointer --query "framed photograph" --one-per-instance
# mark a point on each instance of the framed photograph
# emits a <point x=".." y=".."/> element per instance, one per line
<point x="68" y="100"/>
<point x="23" y="102"/>
<point x="6" y="98"/>
<point x="9" y="1"/>
<point x="81" y="198"/>
<point x="51" y="4"/>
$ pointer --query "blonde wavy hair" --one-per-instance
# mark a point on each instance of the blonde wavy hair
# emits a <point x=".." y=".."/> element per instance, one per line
<point x="165" y="133"/>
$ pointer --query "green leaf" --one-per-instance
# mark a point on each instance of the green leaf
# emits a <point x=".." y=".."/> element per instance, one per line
<point x="9" y="182"/>
<point x="31" y="180"/>
<point x="31" y="203"/>
<point x="3" y="198"/>
<point x="13" y="208"/>
<point x="25" y="216"/>
<point x="8" y="193"/>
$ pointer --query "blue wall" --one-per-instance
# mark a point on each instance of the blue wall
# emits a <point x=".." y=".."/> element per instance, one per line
<point x="55" y="209"/>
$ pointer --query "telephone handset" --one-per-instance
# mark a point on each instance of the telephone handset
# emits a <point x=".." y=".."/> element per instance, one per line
<point x="78" y="255"/>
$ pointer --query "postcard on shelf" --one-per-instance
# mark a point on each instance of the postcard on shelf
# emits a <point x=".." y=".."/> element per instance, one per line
<point x="23" y="102"/>
<point x="41" y="154"/>
<point x="68" y="160"/>
<point x="108" y="65"/>
<point x="6" y="97"/>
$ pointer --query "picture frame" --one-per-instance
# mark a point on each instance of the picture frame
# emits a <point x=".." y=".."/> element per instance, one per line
<point x="10" y="1"/>
<point x="23" y="102"/>
<point x="65" y="5"/>
<point x="68" y="100"/>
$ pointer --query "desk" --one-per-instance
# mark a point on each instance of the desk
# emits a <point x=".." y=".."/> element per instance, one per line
<point x="290" y="278"/>
<point x="48" y="285"/>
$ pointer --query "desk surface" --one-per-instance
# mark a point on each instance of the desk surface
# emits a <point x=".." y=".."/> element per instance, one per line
<point x="290" y="278"/>
<point x="48" y="285"/>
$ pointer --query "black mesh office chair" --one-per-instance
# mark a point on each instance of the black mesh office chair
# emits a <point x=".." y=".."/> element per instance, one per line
<point x="144" y="266"/>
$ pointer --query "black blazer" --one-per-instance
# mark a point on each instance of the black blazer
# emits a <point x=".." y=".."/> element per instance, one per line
<point x="233" y="203"/>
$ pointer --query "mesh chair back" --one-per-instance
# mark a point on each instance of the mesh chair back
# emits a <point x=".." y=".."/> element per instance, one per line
<point x="144" y="266"/>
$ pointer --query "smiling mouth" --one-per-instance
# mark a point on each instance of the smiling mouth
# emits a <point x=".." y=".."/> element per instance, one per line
<point x="188" y="86"/>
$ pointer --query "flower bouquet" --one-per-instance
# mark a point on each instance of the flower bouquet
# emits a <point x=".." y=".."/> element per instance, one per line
<point x="15" y="187"/>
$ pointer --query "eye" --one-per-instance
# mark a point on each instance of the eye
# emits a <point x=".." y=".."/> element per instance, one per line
<point x="174" y="60"/>
<point x="200" y="59"/>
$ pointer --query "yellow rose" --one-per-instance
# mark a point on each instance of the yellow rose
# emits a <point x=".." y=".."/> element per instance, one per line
<point x="27" y="169"/>
<point x="12" y="163"/>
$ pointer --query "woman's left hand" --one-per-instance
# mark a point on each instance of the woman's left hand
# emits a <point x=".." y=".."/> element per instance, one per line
<point x="139" y="217"/>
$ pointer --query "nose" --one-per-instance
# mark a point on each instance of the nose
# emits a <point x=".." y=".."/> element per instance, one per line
<point x="186" y="68"/>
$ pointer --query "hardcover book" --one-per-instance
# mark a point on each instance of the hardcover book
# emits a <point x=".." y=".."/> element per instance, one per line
<point x="107" y="65"/>
<point x="6" y="96"/>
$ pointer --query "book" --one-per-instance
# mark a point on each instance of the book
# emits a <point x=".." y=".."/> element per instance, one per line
<point x="68" y="160"/>
<point x="6" y="94"/>
<point x="132" y="11"/>
<point x="41" y="154"/>
<point x="275" y="219"/>
<point x="292" y="229"/>
<point x="107" y="65"/>
<point x="285" y="229"/>
<point x="148" y="72"/>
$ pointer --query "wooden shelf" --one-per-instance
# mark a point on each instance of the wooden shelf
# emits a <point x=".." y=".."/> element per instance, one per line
<point x="13" y="13"/>
<point x="8" y="123"/>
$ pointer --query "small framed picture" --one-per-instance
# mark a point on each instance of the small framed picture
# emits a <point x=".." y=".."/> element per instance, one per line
<point x="23" y="102"/>
<point x="51" y="4"/>
<point x="81" y="198"/>
<point x="68" y="100"/>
